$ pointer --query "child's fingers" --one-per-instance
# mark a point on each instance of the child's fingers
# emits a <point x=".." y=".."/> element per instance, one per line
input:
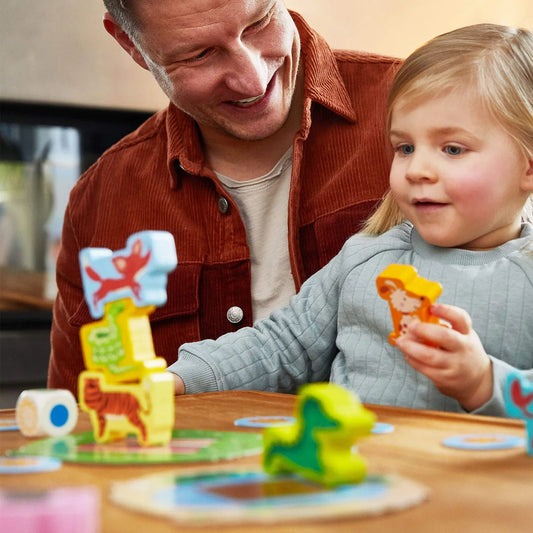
<point x="458" y="318"/>
<point x="434" y="334"/>
<point x="421" y="356"/>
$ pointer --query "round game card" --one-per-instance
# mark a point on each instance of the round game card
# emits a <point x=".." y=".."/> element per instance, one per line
<point x="226" y="496"/>
<point x="186" y="445"/>
<point x="8" y="425"/>
<point x="28" y="465"/>
<point x="483" y="441"/>
<point x="265" y="421"/>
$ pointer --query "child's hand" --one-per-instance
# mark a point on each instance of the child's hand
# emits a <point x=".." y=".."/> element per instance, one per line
<point x="179" y="386"/>
<point x="457" y="363"/>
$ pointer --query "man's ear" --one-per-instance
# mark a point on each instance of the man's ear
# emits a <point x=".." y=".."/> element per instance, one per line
<point x="123" y="39"/>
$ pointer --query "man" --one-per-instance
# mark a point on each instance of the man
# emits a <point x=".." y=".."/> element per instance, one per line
<point x="269" y="156"/>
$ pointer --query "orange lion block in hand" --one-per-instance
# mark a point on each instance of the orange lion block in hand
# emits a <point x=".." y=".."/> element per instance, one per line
<point x="409" y="295"/>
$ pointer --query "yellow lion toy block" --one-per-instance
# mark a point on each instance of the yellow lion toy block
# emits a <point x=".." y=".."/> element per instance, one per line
<point x="319" y="445"/>
<point x="120" y="345"/>
<point x="145" y="409"/>
<point x="409" y="295"/>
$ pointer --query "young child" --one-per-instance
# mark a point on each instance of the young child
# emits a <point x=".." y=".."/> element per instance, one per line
<point x="461" y="127"/>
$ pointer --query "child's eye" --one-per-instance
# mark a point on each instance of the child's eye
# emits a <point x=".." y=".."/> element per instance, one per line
<point x="406" y="149"/>
<point x="453" y="149"/>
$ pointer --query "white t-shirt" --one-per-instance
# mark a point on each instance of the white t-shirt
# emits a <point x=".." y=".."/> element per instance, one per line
<point x="263" y="205"/>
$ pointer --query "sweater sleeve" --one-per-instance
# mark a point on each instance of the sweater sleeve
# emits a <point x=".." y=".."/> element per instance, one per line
<point x="295" y="345"/>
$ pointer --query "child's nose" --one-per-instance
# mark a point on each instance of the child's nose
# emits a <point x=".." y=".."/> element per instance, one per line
<point x="421" y="167"/>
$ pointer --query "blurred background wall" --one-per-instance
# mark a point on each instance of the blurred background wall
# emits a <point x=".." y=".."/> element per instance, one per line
<point x="57" y="51"/>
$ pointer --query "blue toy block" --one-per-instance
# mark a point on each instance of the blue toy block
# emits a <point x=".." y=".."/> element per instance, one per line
<point x="139" y="271"/>
<point x="518" y="395"/>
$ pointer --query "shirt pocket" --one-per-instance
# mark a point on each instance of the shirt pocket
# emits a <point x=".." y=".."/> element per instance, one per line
<point x="182" y="297"/>
<point x="182" y="293"/>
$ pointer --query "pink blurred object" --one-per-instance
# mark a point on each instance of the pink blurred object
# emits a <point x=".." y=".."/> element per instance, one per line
<point x="64" y="510"/>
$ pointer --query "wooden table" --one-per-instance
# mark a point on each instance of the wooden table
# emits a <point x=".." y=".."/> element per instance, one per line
<point x="21" y="290"/>
<point x="471" y="491"/>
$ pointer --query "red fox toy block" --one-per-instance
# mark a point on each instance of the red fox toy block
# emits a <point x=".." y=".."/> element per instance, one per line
<point x="139" y="271"/>
<point x="409" y="297"/>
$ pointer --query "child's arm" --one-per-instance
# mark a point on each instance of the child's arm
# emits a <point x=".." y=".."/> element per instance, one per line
<point x="179" y="386"/>
<point x="296" y="345"/>
<point x="458" y="365"/>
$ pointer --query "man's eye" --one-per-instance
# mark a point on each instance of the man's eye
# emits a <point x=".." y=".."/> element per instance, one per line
<point x="262" y="22"/>
<point x="259" y="23"/>
<point x="199" y="56"/>
<point x="452" y="149"/>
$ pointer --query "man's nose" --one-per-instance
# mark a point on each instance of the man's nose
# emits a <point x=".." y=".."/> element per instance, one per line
<point x="247" y="73"/>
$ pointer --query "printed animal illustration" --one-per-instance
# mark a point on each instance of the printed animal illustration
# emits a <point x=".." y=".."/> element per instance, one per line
<point x="139" y="271"/>
<point x="107" y="346"/>
<point x="130" y="266"/>
<point x="522" y="399"/>
<point x="518" y="394"/>
<point x="107" y="404"/>
<point x="120" y="345"/>
<point x="409" y="295"/>
<point x="319" y="445"/>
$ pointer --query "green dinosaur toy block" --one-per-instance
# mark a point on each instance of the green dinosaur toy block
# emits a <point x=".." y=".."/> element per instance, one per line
<point x="319" y="445"/>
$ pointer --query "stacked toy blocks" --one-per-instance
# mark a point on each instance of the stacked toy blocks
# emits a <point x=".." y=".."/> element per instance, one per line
<point x="126" y="389"/>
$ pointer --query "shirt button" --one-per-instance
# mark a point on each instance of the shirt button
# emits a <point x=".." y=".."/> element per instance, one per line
<point x="234" y="314"/>
<point x="223" y="205"/>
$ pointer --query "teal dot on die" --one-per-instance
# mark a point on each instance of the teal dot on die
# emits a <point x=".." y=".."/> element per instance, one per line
<point x="59" y="415"/>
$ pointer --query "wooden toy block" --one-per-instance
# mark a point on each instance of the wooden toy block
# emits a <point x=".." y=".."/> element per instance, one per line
<point x="50" y="412"/>
<point x="319" y="445"/>
<point x="518" y="394"/>
<point x="121" y="345"/>
<point x="145" y="409"/>
<point x="409" y="295"/>
<point x="139" y="271"/>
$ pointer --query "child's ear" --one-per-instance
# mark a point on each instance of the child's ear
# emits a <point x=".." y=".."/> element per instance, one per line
<point x="527" y="181"/>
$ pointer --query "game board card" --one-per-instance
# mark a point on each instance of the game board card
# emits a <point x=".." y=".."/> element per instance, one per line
<point x="186" y="445"/>
<point x="225" y="496"/>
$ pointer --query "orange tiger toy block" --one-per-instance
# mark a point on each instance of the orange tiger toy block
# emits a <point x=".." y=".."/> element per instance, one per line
<point x="409" y="295"/>
<point x="145" y="409"/>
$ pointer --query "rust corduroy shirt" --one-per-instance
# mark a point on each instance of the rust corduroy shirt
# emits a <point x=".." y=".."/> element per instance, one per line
<point x="157" y="179"/>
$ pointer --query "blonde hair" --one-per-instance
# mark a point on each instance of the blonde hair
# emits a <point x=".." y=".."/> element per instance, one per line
<point x="497" y="62"/>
